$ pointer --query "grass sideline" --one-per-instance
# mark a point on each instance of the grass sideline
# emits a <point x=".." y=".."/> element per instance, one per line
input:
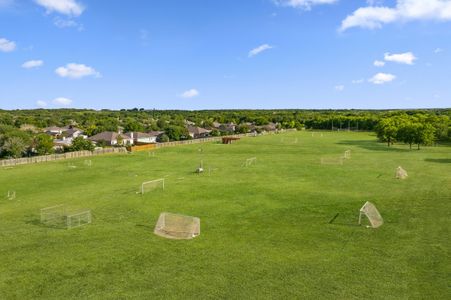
<point x="264" y="229"/>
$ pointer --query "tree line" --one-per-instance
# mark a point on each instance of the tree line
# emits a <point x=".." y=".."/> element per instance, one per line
<point x="21" y="130"/>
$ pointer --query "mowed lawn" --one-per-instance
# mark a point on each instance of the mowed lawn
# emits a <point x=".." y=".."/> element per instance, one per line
<point x="265" y="231"/>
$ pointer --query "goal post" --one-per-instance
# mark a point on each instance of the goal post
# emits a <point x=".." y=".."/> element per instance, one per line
<point x="11" y="195"/>
<point x="347" y="154"/>
<point x="370" y="211"/>
<point x="88" y="163"/>
<point x="175" y="226"/>
<point x="53" y="214"/>
<point x="401" y="173"/>
<point x="250" y="161"/>
<point x="78" y="219"/>
<point x="152" y="185"/>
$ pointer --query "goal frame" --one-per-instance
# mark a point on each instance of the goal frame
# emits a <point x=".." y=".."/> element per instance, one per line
<point x="363" y="212"/>
<point x="74" y="220"/>
<point x="250" y="161"/>
<point x="54" y="212"/>
<point x="11" y="195"/>
<point x="151" y="182"/>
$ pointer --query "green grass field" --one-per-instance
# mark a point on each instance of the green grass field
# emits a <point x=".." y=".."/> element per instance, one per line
<point x="264" y="229"/>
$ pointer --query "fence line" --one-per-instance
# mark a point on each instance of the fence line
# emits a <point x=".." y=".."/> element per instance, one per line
<point x="77" y="154"/>
<point x="218" y="138"/>
<point x="54" y="157"/>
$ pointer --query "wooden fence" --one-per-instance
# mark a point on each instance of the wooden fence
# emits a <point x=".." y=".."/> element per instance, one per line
<point x="53" y="157"/>
<point x="142" y="147"/>
<point x="218" y="138"/>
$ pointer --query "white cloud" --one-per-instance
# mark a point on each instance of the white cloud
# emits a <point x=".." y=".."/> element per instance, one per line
<point x="41" y="103"/>
<point x="438" y="50"/>
<point x="76" y="71"/>
<point x="6" y="45"/>
<point x="358" y="81"/>
<point x="32" y="64"/>
<point x="62" y="101"/>
<point x="373" y="17"/>
<point x="67" y="23"/>
<point x="379" y="63"/>
<point x="381" y="78"/>
<point x="304" y="4"/>
<point x="259" y="50"/>
<point x="339" y="88"/>
<point x="190" y="93"/>
<point x="407" y="58"/>
<point x="65" y="7"/>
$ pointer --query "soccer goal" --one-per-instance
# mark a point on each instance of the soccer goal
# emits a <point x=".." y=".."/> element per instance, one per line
<point x="71" y="166"/>
<point x="347" y="154"/>
<point x="11" y="195"/>
<point x="53" y="215"/>
<point x="332" y="160"/>
<point x="78" y="219"/>
<point x="152" y="185"/>
<point x="88" y="163"/>
<point x="373" y="215"/>
<point x="401" y="173"/>
<point x="250" y="161"/>
<point x="175" y="226"/>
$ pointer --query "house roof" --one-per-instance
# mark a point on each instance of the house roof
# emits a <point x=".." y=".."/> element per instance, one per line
<point x="216" y="124"/>
<point x="197" y="130"/>
<point x="155" y="133"/>
<point x="108" y="136"/>
<point x="139" y="135"/>
<point x="55" y="128"/>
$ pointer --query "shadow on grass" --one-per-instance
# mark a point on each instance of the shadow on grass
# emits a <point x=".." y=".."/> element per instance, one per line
<point x="145" y="226"/>
<point x="439" y="160"/>
<point x="36" y="221"/>
<point x="372" y="145"/>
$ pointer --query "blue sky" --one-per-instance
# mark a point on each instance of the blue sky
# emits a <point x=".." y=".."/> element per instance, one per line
<point x="215" y="54"/>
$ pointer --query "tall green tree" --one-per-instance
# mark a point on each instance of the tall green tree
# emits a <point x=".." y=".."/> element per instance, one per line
<point x="43" y="144"/>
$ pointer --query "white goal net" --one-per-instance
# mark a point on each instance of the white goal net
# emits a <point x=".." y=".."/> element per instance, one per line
<point x="373" y="215"/>
<point x="11" y="195"/>
<point x="250" y="161"/>
<point x="347" y="154"/>
<point x="53" y="215"/>
<point x="78" y="219"/>
<point x="152" y="185"/>
<point x="88" y="163"/>
<point x="401" y="173"/>
<point x="175" y="226"/>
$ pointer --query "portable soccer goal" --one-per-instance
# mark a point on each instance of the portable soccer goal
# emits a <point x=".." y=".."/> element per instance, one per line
<point x="77" y="219"/>
<point x="152" y="185"/>
<point x="401" y="173"/>
<point x="370" y="211"/>
<point x="347" y="154"/>
<point x="88" y="163"/>
<point x="11" y="195"/>
<point x="53" y="215"/>
<point x="71" y="166"/>
<point x="175" y="226"/>
<point x="250" y="161"/>
<point x="332" y="160"/>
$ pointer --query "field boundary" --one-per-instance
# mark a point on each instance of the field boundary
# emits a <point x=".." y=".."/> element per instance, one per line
<point x="55" y="157"/>
<point x="218" y="138"/>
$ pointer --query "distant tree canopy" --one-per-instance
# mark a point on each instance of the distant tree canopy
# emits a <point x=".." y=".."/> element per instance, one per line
<point x="413" y="127"/>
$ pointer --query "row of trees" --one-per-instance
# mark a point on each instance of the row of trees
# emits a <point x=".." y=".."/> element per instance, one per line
<point x="18" y="143"/>
<point x="418" y="129"/>
<point x="21" y="135"/>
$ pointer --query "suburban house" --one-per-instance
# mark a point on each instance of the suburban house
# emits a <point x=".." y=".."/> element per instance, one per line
<point x="111" y="138"/>
<point x="55" y="131"/>
<point x="216" y="125"/>
<point x="155" y="135"/>
<point x="229" y="127"/>
<point x="270" y="127"/>
<point x="197" y="132"/>
<point x="66" y="138"/>
<point x="143" y="138"/>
